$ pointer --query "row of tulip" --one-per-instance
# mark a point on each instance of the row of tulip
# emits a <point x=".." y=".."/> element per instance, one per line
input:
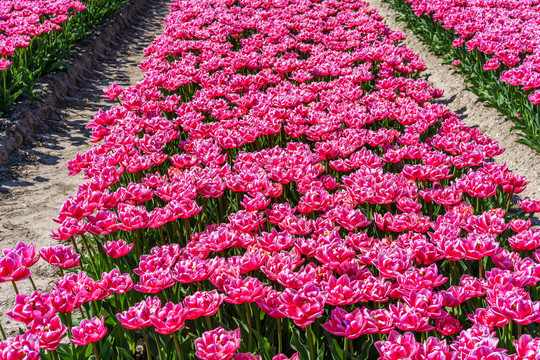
<point x="282" y="185"/>
<point x="35" y="35"/>
<point x="494" y="44"/>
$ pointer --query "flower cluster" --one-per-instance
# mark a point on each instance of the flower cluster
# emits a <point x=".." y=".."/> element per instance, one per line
<point x="35" y="34"/>
<point x="21" y="20"/>
<point x="506" y="31"/>
<point x="281" y="167"/>
<point x="494" y="43"/>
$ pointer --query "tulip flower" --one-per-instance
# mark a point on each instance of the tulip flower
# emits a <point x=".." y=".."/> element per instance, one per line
<point x="60" y="255"/>
<point x="89" y="331"/>
<point x="24" y="346"/>
<point x="118" y="248"/>
<point x="49" y="331"/>
<point x="169" y="318"/>
<point x="217" y="344"/>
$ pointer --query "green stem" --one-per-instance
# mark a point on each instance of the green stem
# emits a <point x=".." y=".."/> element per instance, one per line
<point x="3" y="332"/>
<point x="15" y="287"/>
<point x="138" y="243"/>
<point x="187" y="225"/>
<point x="147" y="344"/>
<point x="70" y="326"/>
<point x="208" y="323"/>
<point x="481" y="268"/>
<point x="33" y="284"/>
<point x="94" y="347"/>
<point x="248" y="315"/>
<point x="310" y="343"/>
<point x="177" y="345"/>
<point x="116" y="303"/>
<point x="280" y="336"/>
<point x="257" y="318"/>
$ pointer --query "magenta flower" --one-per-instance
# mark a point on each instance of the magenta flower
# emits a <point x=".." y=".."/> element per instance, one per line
<point x="89" y="331"/>
<point x="398" y="347"/>
<point x="217" y="344"/>
<point x="24" y="346"/>
<point x="247" y="356"/>
<point x="138" y="315"/>
<point x="296" y="356"/>
<point x="49" y="331"/>
<point x="116" y="282"/>
<point x="4" y="64"/>
<point x="202" y="304"/>
<point x="28" y="253"/>
<point x="29" y="307"/>
<point x="12" y="268"/>
<point x="246" y="290"/>
<point x="118" y="248"/>
<point x="303" y="306"/>
<point x="169" y="318"/>
<point x="351" y="325"/>
<point x="60" y="255"/>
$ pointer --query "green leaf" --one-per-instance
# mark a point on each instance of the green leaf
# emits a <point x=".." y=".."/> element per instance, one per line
<point x="297" y="345"/>
<point x="124" y="353"/>
<point x="335" y="349"/>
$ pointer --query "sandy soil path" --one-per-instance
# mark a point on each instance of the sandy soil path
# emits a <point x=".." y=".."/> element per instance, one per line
<point x="34" y="183"/>
<point x="520" y="159"/>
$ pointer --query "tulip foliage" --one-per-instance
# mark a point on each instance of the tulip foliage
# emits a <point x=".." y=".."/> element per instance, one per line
<point x="35" y="35"/>
<point x="282" y="186"/>
<point x="494" y="44"/>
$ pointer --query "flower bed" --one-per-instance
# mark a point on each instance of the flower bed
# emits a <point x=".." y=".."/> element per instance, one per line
<point x="36" y="35"/>
<point x="280" y="185"/>
<point x="494" y="44"/>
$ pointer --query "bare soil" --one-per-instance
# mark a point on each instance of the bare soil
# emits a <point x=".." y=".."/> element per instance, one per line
<point x="34" y="183"/>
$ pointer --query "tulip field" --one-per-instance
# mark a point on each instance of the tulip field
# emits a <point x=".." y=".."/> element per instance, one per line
<point x="283" y="185"/>
<point x="35" y="35"/>
<point x="494" y="44"/>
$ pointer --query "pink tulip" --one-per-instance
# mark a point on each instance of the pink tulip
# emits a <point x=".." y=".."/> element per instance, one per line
<point x="60" y="255"/>
<point x="217" y="344"/>
<point x="169" y="318"/>
<point x="89" y="331"/>
<point x="118" y="248"/>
